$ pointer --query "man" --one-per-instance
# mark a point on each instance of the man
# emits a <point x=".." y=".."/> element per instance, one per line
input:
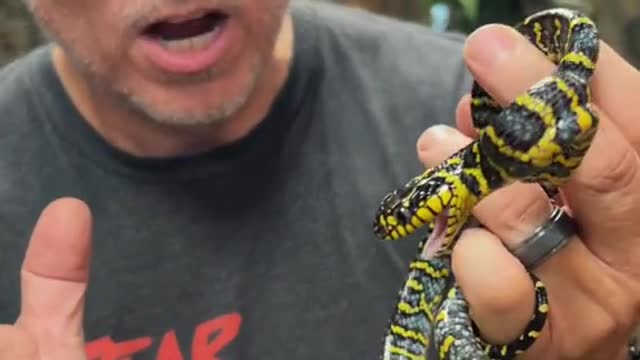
<point x="208" y="172"/>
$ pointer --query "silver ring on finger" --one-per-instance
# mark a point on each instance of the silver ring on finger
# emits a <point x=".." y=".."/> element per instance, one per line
<point x="546" y="240"/>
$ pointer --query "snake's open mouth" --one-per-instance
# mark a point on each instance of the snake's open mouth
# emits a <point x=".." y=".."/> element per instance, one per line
<point x="436" y="239"/>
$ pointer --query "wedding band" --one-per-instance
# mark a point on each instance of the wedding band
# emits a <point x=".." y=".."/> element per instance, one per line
<point x="546" y="240"/>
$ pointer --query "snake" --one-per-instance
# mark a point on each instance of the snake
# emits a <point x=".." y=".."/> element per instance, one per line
<point x="540" y="137"/>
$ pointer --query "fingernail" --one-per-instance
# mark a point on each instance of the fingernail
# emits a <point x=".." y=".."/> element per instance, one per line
<point x="490" y="45"/>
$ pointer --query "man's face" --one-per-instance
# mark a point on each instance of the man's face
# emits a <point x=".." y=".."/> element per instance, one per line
<point x="177" y="61"/>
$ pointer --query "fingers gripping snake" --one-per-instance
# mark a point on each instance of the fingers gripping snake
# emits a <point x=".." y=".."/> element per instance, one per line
<point x="541" y="137"/>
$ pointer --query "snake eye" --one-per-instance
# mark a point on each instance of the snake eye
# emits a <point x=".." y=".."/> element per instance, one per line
<point x="403" y="215"/>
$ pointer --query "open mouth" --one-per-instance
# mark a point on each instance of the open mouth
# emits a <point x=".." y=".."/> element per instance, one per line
<point x="189" y="44"/>
<point x="187" y="34"/>
<point x="437" y="237"/>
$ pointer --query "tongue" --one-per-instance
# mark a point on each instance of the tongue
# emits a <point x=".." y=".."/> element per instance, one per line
<point x="186" y="29"/>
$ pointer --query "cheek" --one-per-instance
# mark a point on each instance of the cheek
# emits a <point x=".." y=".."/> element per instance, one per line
<point x="264" y="19"/>
<point x="71" y="24"/>
<point x="61" y="19"/>
<point x="85" y="31"/>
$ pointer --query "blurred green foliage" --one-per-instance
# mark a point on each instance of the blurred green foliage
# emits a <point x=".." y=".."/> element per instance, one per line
<point x="466" y="15"/>
<point x="618" y="20"/>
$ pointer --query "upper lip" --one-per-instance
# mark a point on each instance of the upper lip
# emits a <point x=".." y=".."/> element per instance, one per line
<point x="186" y="16"/>
<point x="178" y="16"/>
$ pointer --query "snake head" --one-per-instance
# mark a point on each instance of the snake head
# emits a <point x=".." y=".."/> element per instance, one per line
<point x="392" y="216"/>
<point x="410" y="207"/>
<point x="429" y="201"/>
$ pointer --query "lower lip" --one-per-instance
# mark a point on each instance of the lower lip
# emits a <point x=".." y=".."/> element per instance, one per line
<point x="189" y="62"/>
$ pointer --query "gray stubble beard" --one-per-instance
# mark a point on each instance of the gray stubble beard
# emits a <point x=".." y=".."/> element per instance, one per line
<point x="137" y="104"/>
<point x="211" y="117"/>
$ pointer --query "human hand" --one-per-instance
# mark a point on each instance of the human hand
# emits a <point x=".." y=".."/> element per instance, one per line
<point x="54" y="280"/>
<point x="594" y="281"/>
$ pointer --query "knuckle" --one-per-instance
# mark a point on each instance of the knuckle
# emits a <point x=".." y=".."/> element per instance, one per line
<point x="599" y="334"/>
<point x="608" y="326"/>
<point x="616" y="173"/>
<point x="522" y="208"/>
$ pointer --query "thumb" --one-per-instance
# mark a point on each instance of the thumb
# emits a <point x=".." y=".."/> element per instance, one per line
<point x="17" y="344"/>
<point x="54" y="279"/>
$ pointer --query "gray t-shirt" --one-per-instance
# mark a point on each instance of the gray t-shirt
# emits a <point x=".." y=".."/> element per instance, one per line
<point x="262" y="249"/>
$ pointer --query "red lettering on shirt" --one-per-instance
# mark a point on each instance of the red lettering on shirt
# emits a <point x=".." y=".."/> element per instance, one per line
<point x="209" y="339"/>
<point x="106" y="349"/>
<point x="205" y="345"/>
<point x="169" y="348"/>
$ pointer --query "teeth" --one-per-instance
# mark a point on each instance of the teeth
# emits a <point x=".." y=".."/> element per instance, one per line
<point x="178" y="20"/>
<point x="190" y="44"/>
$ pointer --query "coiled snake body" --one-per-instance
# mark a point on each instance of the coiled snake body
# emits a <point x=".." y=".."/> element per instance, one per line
<point x="542" y="136"/>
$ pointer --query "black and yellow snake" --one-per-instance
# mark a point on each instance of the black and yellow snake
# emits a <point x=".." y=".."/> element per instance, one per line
<point x="542" y="136"/>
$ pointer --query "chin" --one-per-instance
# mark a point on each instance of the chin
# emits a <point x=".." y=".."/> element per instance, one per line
<point x="206" y="100"/>
<point x="181" y="114"/>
